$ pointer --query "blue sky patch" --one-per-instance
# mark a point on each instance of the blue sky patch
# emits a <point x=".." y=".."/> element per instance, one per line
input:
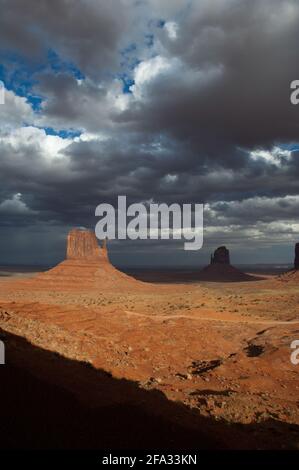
<point x="62" y="133"/>
<point x="58" y="65"/>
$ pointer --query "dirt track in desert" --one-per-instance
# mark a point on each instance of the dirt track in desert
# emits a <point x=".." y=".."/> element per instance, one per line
<point x="221" y="349"/>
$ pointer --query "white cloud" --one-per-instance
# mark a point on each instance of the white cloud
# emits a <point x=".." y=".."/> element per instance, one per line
<point x="148" y="70"/>
<point x="15" y="206"/>
<point x="171" y="28"/>
<point x="255" y="209"/>
<point x="15" y="111"/>
<point x="275" y="157"/>
<point x="91" y="137"/>
<point x="34" y="155"/>
<point x="169" y="178"/>
<point x="116" y="99"/>
<point x="48" y="146"/>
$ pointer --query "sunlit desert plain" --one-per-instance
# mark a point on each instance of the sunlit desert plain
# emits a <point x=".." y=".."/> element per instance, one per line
<point x="202" y="363"/>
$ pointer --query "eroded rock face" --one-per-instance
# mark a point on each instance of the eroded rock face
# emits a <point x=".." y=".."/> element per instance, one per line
<point x="296" y="264"/>
<point x="82" y="245"/>
<point x="221" y="256"/>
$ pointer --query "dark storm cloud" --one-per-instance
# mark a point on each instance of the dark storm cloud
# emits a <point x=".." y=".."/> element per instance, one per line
<point x="68" y="186"/>
<point x="69" y="103"/>
<point x="209" y="101"/>
<point x="231" y="85"/>
<point x="227" y="84"/>
<point x="85" y="32"/>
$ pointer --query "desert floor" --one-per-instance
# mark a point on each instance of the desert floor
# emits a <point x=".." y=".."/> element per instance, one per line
<point x="208" y="359"/>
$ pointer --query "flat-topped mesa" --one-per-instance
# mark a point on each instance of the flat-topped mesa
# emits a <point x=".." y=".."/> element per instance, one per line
<point x="296" y="263"/>
<point x="83" y="245"/>
<point x="221" y="256"/>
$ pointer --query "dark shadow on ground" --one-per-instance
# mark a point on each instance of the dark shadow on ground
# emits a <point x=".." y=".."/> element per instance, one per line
<point x="192" y="277"/>
<point x="48" y="401"/>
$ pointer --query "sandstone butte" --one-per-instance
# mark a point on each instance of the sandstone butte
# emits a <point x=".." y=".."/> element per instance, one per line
<point x="86" y="266"/>
<point x="83" y="245"/>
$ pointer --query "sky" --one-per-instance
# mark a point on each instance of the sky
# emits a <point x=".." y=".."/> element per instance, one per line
<point x="184" y="101"/>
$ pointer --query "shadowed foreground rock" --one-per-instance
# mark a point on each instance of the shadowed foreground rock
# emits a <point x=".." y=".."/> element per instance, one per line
<point x="67" y="404"/>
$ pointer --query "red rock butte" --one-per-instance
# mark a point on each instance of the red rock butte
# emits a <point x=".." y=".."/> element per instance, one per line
<point x="83" y="245"/>
<point x="86" y="267"/>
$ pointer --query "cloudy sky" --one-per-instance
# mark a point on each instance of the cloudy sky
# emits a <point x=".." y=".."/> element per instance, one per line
<point x="182" y="101"/>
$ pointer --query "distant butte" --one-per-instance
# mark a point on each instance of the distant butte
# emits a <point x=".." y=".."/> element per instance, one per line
<point x="221" y="255"/>
<point x="220" y="269"/>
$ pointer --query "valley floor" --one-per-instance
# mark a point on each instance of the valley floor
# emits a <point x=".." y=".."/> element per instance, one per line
<point x="217" y="354"/>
